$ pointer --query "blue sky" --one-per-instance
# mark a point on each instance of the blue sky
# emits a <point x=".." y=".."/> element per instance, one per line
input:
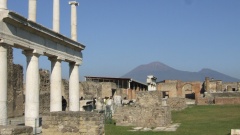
<point x="121" y="34"/>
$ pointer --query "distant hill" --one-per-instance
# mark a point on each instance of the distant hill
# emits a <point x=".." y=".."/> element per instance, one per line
<point x="165" y="72"/>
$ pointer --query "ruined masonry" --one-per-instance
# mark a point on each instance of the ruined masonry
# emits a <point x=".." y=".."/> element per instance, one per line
<point x="35" y="40"/>
<point x="146" y="112"/>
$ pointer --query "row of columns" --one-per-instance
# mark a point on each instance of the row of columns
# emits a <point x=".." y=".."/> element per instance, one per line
<point x="32" y="72"/>
<point x="32" y="86"/>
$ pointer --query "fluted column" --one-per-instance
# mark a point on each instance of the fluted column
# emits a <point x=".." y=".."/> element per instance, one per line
<point x="32" y="89"/>
<point x="55" y="88"/>
<point x="74" y="5"/>
<point x="3" y="5"/>
<point x="73" y="87"/>
<point x="32" y="10"/>
<point x="56" y="16"/>
<point x="3" y="84"/>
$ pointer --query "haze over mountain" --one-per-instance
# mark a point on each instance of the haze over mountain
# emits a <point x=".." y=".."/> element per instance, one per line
<point x="165" y="72"/>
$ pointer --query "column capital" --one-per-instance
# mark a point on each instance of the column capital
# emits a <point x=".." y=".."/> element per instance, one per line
<point x="75" y="63"/>
<point x="32" y="52"/>
<point x="73" y="3"/>
<point x="55" y="58"/>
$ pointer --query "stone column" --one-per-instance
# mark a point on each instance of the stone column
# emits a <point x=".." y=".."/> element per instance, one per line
<point x="73" y="87"/>
<point x="3" y="84"/>
<point x="238" y="86"/>
<point x="32" y="89"/>
<point x="207" y="83"/>
<point x="73" y="4"/>
<point x="32" y="10"/>
<point x="56" y="83"/>
<point x="3" y="5"/>
<point x="56" y="16"/>
<point x="219" y="86"/>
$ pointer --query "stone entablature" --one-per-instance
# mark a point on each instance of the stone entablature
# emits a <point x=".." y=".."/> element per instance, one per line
<point x="73" y="123"/>
<point x="22" y="33"/>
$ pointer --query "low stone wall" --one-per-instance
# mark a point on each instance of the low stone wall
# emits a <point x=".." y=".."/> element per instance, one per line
<point x="142" y="117"/>
<point x="202" y="101"/>
<point x="227" y="100"/>
<point x="16" y="130"/>
<point x="176" y="104"/>
<point x="146" y="112"/>
<point x="73" y="123"/>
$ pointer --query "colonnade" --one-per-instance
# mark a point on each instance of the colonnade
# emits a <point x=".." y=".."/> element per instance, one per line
<point x="32" y="86"/>
<point x="32" y="73"/>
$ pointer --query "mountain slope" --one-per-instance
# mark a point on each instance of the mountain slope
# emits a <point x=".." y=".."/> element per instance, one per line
<point x="165" y="72"/>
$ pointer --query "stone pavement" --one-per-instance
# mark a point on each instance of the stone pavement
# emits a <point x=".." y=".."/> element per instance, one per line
<point x="172" y="127"/>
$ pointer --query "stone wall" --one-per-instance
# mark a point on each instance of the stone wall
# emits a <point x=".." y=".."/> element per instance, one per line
<point x="16" y="130"/>
<point x="73" y="123"/>
<point x="146" y="112"/>
<point x="142" y="117"/>
<point x="203" y="101"/>
<point x="90" y="89"/>
<point x="227" y="100"/>
<point x="177" y="88"/>
<point x="220" y="98"/>
<point x="177" y="104"/>
<point x="15" y="95"/>
<point x="65" y="91"/>
<point x="44" y="98"/>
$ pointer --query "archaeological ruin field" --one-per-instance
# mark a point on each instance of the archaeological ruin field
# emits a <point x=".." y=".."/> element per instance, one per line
<point x="195" y="120"/>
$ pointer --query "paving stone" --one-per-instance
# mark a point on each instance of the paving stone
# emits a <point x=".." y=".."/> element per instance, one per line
<point x="137" y="128"/>
<point x="159" y="129"/>
<point x="146" y="129"/>
<point x="170" y="129"/>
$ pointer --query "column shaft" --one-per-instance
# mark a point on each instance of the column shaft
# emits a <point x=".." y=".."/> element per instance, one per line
<point x="74" y="5"/>
<point x="32" y="10"/>
<point x="55" y="88"/>
<point x="73" y="87"/>
<point x="56" y="15"/>
<point x="3" y="5"/>
<point x="32" y="90"/>
<point x="3" y="85"/>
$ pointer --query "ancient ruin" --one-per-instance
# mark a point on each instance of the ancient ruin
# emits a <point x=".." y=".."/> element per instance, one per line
<point x="147" y="111"/>
<point x="36" y="40"/>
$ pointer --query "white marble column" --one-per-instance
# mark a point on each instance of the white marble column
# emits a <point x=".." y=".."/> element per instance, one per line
<point x="55" y="87"/>
<point x="3" y="5"/>
<point x="74" y="5"/>
<point x="73" y="87"/>
<point x="3" y="84"/>
<point x="56" y="16"/>
<point x="32" y="10"/>
<point x="32" y="89"/>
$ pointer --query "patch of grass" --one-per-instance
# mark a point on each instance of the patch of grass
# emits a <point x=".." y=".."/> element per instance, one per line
<point x="195" y="120"/>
